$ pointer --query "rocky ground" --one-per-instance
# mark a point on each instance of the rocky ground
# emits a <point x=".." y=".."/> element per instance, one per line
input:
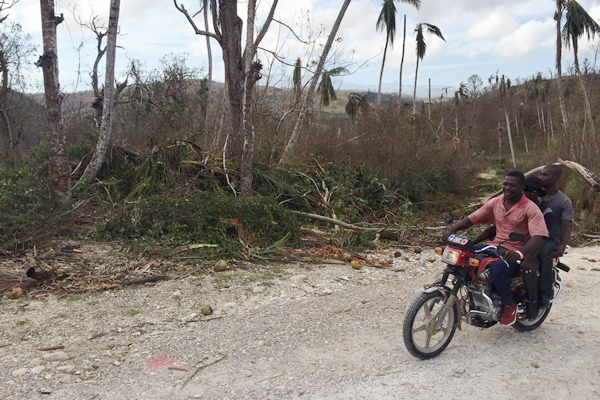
<point x="311" y="331"/>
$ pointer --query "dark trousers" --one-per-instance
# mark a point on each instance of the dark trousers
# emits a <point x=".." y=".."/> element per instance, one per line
<point x="546" y="275"/>
<point x="502" y="274"/>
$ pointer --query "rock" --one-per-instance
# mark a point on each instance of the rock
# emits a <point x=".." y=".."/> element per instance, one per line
<point x="117" y="363"/>
<point x="417" y="250"/>
<point x="20" y="372"/>
<point x="177" y="294"/>
<point x="190" y="318"/>
<point x="356" y="264"/>
<point x="258" y="289"/>
<point x="14" y="293"/>
<point x="66" y="369"/>
<point x="56" y="356"/>
<point x="221" y="265"/>
<point x="432" y="259"/>
<point x="299" y="278"/>
<point x="327" y="292"/>
<point x="207" y="309"/>
<point x="38" y="370"/>
<point x="397" y="254"/>
<point x="37" y="361"/>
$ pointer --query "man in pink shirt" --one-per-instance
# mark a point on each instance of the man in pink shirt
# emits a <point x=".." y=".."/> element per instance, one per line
<point x="511" y="212"/>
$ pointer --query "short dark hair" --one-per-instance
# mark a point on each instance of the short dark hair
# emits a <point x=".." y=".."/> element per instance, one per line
<point x="554" y="169"/>
<point x="517" y="174"/>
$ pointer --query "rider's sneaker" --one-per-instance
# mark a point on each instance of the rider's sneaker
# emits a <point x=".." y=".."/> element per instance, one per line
<point x="544" y="302"/>
<point x="509" y="314"/>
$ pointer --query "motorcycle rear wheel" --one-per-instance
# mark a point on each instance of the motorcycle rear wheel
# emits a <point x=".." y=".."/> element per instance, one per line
<point x="525" y="325"/>
<point x="419" y="326"/>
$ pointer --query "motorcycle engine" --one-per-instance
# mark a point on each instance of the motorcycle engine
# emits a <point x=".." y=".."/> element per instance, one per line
<point x="481" y="304"/>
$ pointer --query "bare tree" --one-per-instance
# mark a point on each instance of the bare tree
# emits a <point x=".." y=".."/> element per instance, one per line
<point x="60" y="183"/>
<point x="309" y="99"/>
<point x="227" y="31"/>
<point x="108" y="97"/>
<point x="402" y="64"/>
<point x="504" y="94"/>
<point x="5" y="5"/>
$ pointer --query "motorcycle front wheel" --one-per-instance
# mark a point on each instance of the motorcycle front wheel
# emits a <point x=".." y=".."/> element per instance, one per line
<point x="421" y="336"/>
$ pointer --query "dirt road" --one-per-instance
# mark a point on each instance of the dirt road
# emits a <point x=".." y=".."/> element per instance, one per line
<point x="290" y="332"/>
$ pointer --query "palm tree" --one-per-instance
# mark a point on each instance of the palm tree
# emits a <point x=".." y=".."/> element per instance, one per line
<point x="297" y="78"/>
<point x="357" y="103"/>
<point x="326" y="87"/>
<point x="580" y="23"/>
<point x="421" y="49"/>
<point x="387" y="22"/>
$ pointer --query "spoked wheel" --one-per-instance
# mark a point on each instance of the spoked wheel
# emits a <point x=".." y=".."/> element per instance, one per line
<point x="525" y="325"/>
<point x="421" y="336"/>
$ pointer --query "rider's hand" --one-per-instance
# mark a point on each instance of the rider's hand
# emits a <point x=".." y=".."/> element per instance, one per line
<point x="526" y="267"/>
<point x="447" y="234"/>
<point x="559" y="252"/>
<point x="512" y="256"/>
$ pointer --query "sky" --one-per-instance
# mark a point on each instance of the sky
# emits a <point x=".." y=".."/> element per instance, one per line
<point x="516" y="38"/>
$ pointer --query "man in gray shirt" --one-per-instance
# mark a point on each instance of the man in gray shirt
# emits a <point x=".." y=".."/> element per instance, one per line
<point x="559" y="229"/>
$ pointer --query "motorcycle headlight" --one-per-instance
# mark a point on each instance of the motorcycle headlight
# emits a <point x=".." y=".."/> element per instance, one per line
<point x="451" y="256"/>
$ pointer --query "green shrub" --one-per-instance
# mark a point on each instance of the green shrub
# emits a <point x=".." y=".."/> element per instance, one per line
<point x="24" y="206"/>
<point x="175" y="221"/>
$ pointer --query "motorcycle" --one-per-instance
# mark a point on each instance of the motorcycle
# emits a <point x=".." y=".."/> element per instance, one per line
<point x="432" y="319"/>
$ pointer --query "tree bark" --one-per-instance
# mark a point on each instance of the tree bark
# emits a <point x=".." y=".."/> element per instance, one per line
<point x="308" y="100"/>
<point x="402" y="64"/>
<point x="510" y="142"/>
<point x="252" y="73"/>
<point x="209" y="100"/>
<point x="561" y="100"/>
<point x="429" y="108"/>
<point x="387" y="40"/>
<point x="59" y="167"/>
<point x="415" y="92"/>
<point x="109" y="97"/>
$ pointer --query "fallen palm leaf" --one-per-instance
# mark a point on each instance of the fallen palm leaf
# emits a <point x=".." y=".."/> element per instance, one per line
<point x="181" y="249"/>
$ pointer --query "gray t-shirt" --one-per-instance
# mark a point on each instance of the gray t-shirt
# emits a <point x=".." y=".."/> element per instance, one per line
<point x="562" y="209"/>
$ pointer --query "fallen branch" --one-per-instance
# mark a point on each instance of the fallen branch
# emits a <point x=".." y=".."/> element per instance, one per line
<point x="201" y="368"/>
<point x="141" y="281"/>
<point x="585" y="173"/>
<point x="387" y="230"/>
<point x="52" y="348"/>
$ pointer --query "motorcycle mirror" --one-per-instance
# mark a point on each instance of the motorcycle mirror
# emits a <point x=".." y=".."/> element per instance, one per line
<point x="516" y="237"/>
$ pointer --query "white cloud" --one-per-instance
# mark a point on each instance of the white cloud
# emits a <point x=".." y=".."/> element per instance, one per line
<point x="495" y="25"/>
<point x="523" y="41"/>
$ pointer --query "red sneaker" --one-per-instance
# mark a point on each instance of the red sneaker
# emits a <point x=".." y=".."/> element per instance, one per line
<point x="509" y="315"/>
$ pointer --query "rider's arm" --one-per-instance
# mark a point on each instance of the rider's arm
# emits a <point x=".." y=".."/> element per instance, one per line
<point x="488" y="233"/>
<point x="533" y="247"/>
<point x="565" y="238"/>
<point x="463" y="224"/>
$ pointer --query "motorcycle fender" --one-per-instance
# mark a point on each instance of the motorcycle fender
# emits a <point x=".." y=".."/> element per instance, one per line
<point x="431" y="289"/>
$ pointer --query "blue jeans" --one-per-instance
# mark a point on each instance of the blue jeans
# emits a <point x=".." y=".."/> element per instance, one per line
<point x="502" y="274"/>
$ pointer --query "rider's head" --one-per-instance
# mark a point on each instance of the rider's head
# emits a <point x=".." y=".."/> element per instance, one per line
<point x="550" y="175"/>
<point x="513" y="185"/>
<point x="534" y="188"/>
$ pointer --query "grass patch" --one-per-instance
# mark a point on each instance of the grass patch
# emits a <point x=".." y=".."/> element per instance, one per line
<point x="74" y="298"/>
<point x="131" y="313"/>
